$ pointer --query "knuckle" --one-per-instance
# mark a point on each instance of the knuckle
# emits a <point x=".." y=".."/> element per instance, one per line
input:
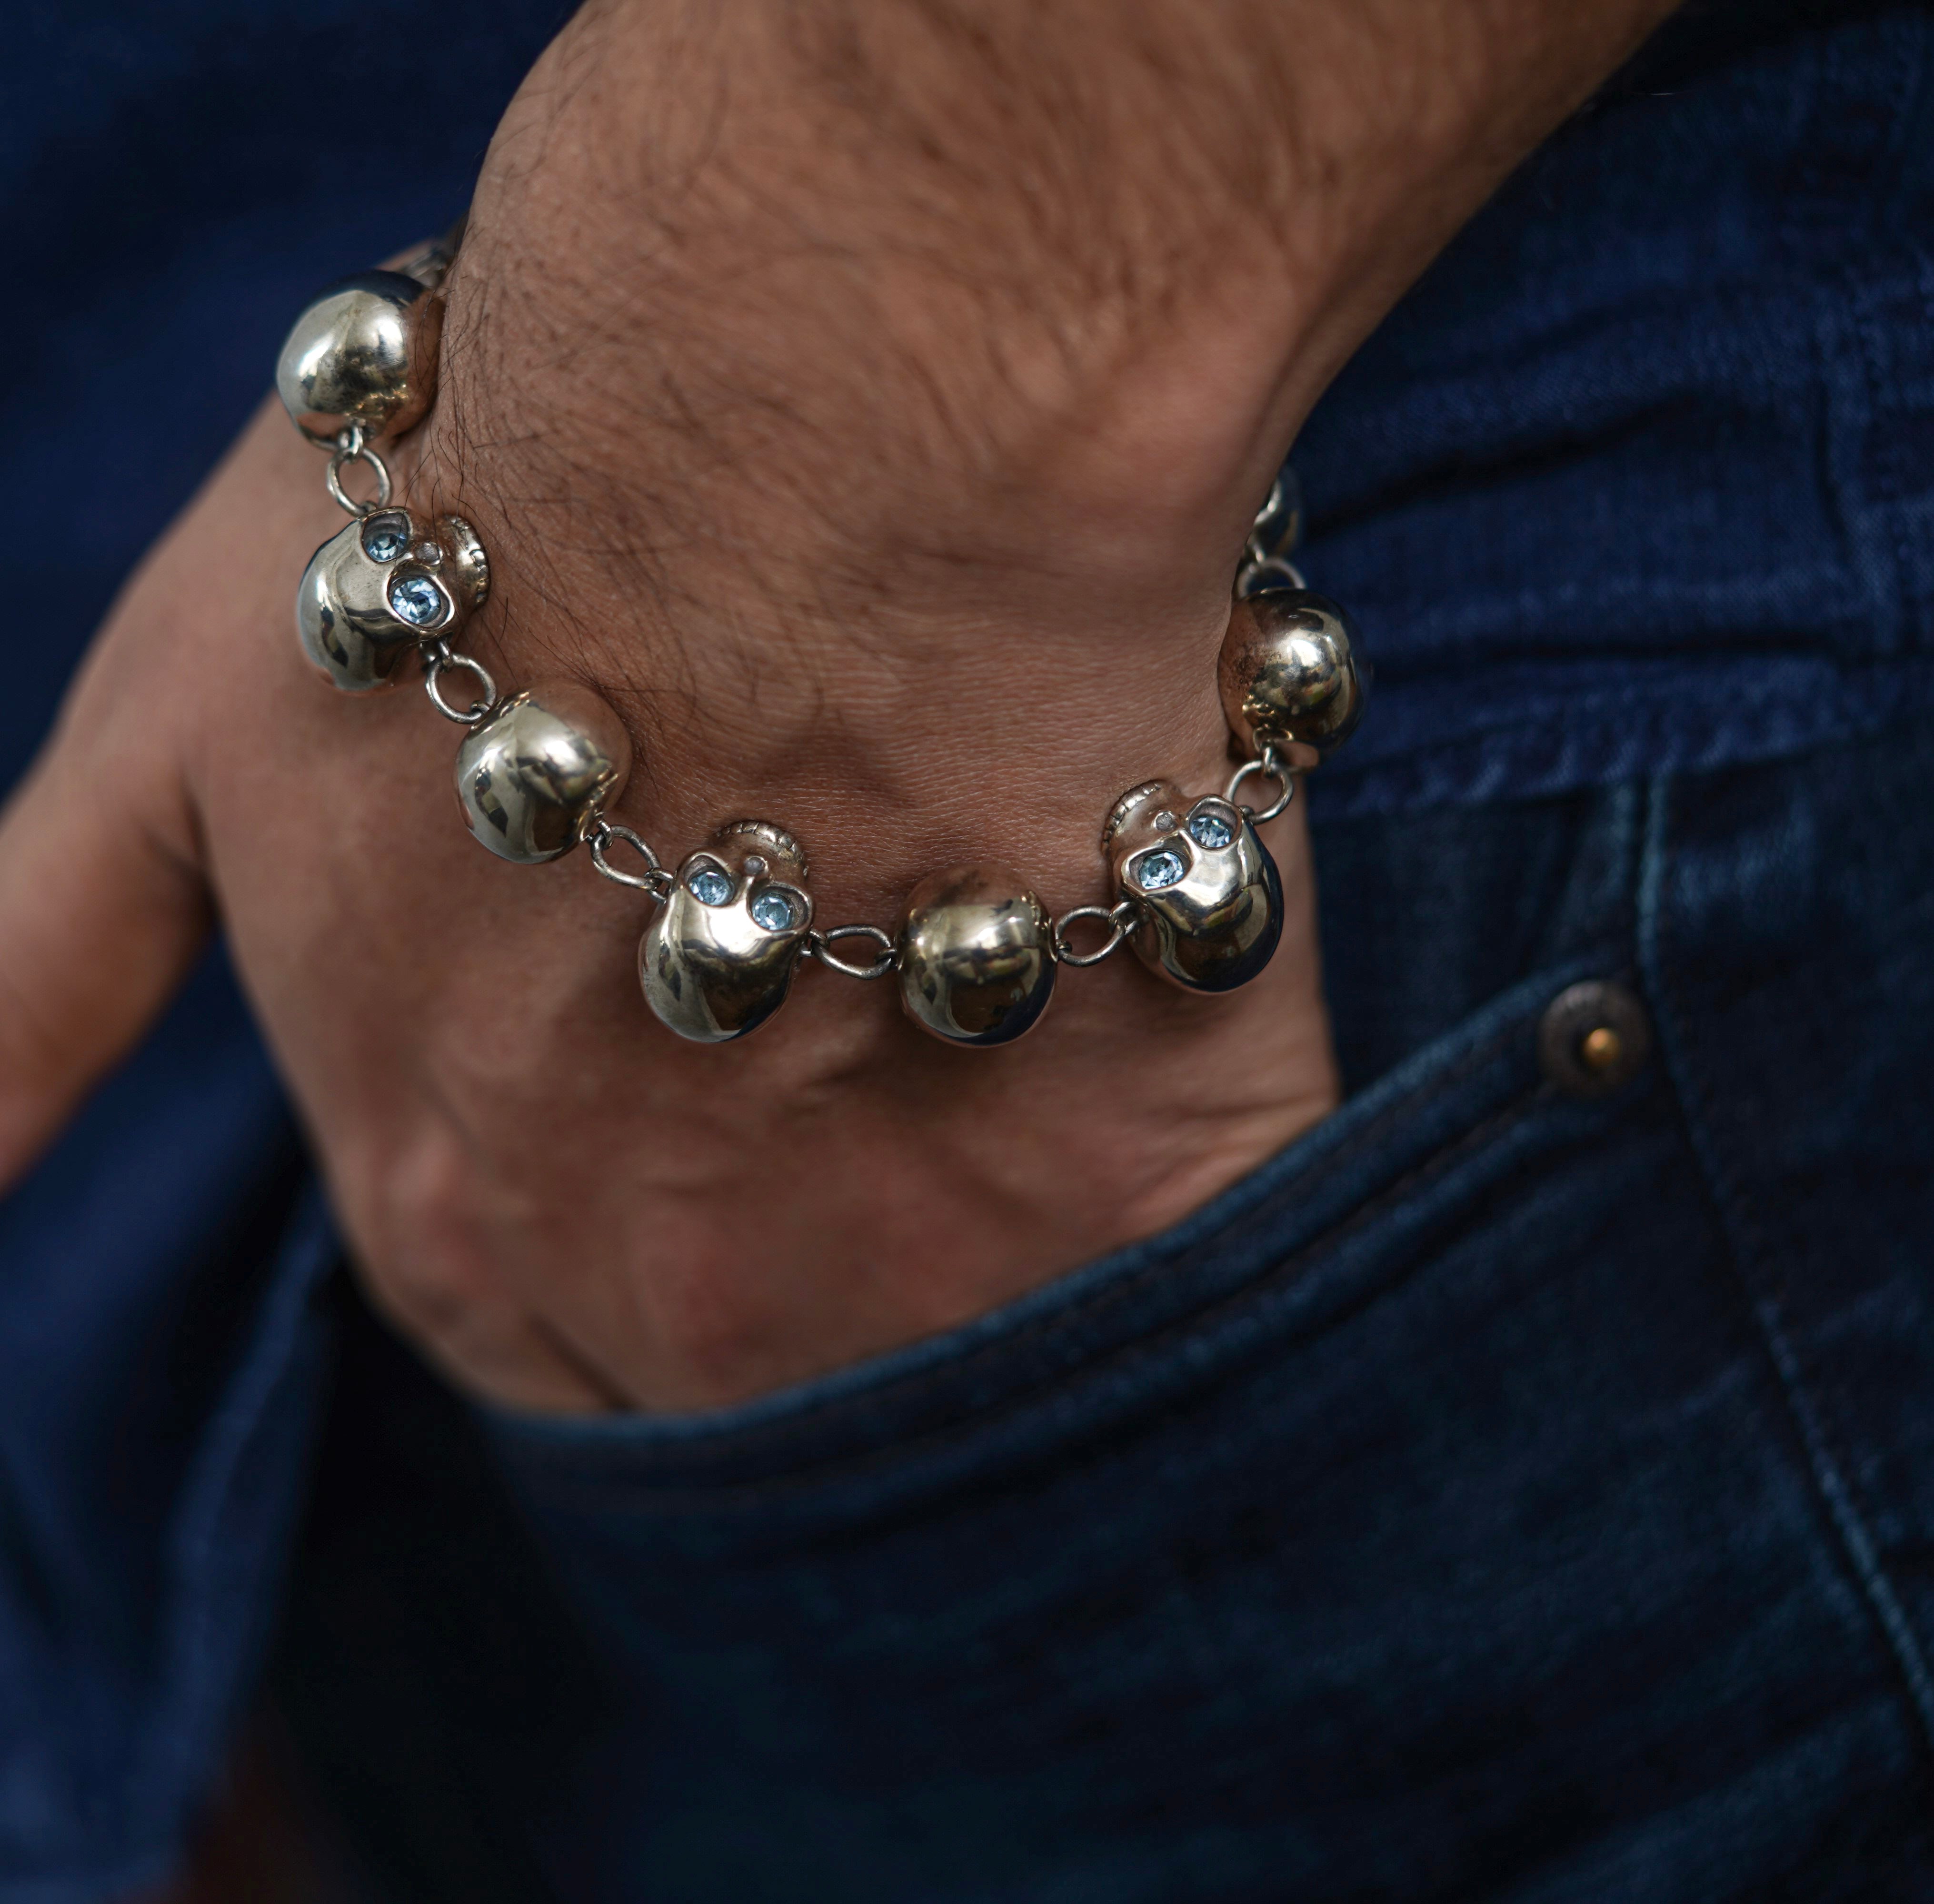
<point x="415" y="1213"/>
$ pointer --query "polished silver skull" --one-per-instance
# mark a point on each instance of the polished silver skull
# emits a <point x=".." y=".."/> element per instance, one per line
<point x="1290" y="677"/>
<point x="976" y="954"/>
<point x="376" y="589"/>
<point x="719" y="958"/>
<point x="531" y="778"/>
<point x="364" y="352"/>
<point x="1206" y="895"/>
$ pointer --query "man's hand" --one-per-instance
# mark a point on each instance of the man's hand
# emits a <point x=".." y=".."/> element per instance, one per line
<point x="870" y="402"/>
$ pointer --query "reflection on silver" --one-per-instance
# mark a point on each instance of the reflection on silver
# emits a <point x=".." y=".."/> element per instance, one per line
<point x="363" y="351"/>
<point x="533" y="775"/>
<point x="379" y="586"/>
<point x="977" y="956"/>
<point x="719" y="959"/>
<point x="1273" y="537"/>
<point x="1207" y="896"/>
<point x="1288" y="673"/>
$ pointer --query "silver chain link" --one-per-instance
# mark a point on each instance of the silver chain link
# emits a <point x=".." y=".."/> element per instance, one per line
<point x="439" y="658"/>
<point x="1121" y="922"/>
<point x="1271" y="765"/>
<point x="817" y="944"/>
<point x="1266" y="566"/>
<point x="1267" y="576"/>
<point x="348" y="447"/>
<point x="598" y="836"/>
<point x="1256" y="547"/>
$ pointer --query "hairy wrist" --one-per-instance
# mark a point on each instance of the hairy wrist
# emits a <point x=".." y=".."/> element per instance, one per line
<point x="872" y="401"/>
<point x="845" y="257"/>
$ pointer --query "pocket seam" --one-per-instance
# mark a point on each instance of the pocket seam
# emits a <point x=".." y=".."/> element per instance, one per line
<point x="621" y="1474"/>
<point x="815" y="1411"/>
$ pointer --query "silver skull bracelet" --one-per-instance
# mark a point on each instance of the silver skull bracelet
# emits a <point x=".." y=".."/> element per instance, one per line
<point x="1198" y="898"/>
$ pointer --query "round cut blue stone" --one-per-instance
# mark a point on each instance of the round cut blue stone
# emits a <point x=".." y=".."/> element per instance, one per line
<point x="1210" y="830"/>
<point x="709" y="886"/>
<point x="1155" y="869"/>
<point x="417" y="599"/>
<point x="774" y="911"/>
<point x="385" y="538"/>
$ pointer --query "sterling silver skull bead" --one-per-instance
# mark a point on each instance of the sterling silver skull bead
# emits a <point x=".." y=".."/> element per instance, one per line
<point x="532" y="777"/>
<point x="379" y="586"/>
<point x="1289" y="676"/>
<point x="364" y="351"/>
<point x="1207" y="898"/>
<point x="976" y="956"/>
<point x="719" y="958"/>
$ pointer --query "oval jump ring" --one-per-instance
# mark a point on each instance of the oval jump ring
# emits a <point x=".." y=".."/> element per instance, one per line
<point x="1272" y="768"/>
<point x="598" y="837"/>
<point x="889" y="959"/>
<point x="1271" y="575"/>
<point x="435" y="665"/>
<point x="360" y="452"/>
<point x="1118" y="931"/>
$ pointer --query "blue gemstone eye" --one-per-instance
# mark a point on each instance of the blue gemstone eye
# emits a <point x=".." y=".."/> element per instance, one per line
<point x="773" y="910"/>
<point x="385" y="538"/>
<point x="709" y="886"/>
<point x="1155" y="869"/>
<point x="417" y="599"/>
<point x="1210" y="829"/>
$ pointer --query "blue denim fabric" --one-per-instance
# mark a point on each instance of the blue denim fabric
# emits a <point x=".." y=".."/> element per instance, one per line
<point x="1495" y="1497"/>
<point x="175" y="178"/>
<point x="1498" y="1496"/>
<point x="1639" y="477"/>
<point x="157" y="1392"/>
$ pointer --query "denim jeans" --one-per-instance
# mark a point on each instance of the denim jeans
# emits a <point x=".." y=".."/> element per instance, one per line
<point x="1505" y="1493"/>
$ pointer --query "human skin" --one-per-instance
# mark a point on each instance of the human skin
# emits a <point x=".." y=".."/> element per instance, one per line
<point x="870" y="401"/>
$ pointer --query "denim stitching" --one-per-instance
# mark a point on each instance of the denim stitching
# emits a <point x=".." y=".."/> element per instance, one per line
<point x="1081" y="1311"/>
<point x="661" y="1496"/>
<point x="1747" y="1249"/>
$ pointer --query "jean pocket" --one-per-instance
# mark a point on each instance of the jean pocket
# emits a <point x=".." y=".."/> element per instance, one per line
<point x="1347" y="1212"/>
<point x="1419" y="1518"/>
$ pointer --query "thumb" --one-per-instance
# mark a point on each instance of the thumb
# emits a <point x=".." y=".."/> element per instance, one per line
<point x="103" y="910"/>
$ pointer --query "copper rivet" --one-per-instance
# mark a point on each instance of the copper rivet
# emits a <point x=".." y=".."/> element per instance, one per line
<point x="1594" y="1039"/>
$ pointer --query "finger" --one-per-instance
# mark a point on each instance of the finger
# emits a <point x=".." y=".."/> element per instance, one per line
<point x="103" y="910"/>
